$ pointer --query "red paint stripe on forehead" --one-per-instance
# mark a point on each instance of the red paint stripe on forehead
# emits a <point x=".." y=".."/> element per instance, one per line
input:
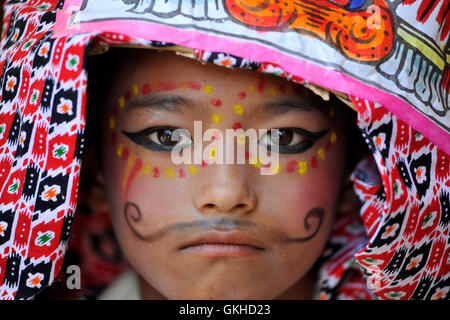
<point x="166" y="86"/>
<point x="146" y="89"/>
<point x="191" y="85"/>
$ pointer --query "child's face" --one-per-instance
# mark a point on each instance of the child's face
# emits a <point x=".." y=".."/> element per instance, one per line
<point x="218" y="231"/>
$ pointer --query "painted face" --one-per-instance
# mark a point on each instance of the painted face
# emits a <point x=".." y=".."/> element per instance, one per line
<point x="218" y="231"/>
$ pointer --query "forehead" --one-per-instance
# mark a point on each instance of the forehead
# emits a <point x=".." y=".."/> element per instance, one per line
<point x="167" y="71"/>
<point x="146" y="65"/>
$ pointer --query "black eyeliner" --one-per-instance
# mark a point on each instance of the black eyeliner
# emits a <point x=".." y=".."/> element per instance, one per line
<point x="311" y="139"/>
<point x="140" y="138"/>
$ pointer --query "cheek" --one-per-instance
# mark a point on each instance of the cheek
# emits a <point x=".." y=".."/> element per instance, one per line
<point x="155" y="187"/>
<point x="298" y="193"/>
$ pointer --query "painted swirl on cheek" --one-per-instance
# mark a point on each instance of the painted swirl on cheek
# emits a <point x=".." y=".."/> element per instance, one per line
<point x="134" y="218"/>
<point x="315" y="214"/>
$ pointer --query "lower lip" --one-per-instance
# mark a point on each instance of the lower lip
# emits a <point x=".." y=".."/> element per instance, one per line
<point x="213" y="250"/>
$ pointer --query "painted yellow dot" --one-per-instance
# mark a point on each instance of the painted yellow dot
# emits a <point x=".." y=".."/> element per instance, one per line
<point x="212" y="153"/>
<point x="119" y="149"/>
<point x="251" y="89"/>
<point x="135" y="89"/>
<point x="302" y="167"/>
<point x="216" y="118"/>
<point x="147" y="168"/>
<point x="193" y="169"/>
<point x="333" y="137"/>
<point x="241" y="138"/>
<point x="122" y="102"/>
<point x="321" y="154"/>
<point x="112" y="123"/>
<point x="208" y="89"/>
<point x="238" y="109"/>
<point x="169" y="173"/>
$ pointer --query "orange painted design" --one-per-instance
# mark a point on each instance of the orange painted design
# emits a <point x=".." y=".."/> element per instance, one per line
<point x="11" y="84"/>
<point x="50" y="193"/>
<point x="350" y="31"/>
<point x="35" y="281"/>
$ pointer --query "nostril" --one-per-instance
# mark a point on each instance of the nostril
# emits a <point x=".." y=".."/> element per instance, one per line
<point x="240" y="205"/>
<point x="209" y="205"/>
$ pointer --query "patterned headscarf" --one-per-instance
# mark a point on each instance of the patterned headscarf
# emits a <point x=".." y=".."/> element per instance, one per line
<point x="388" y="59"/>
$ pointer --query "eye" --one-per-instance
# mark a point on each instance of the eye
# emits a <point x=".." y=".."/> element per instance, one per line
<point x="161" y="138"/>
<point x="290" y="140"/>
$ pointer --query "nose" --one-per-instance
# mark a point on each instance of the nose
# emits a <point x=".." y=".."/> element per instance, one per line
<point x="224" y="188"/>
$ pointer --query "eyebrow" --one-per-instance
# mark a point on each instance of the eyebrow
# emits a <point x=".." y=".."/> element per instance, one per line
<point x="168" y="103"/>
<point x="294" y="104"/>
<point x="179" y="104"/>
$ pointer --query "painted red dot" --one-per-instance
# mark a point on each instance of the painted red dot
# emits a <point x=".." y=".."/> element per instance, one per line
<point x="290" y="167"/>
<point x="328" y="146"/>
<point x="146" y="89"/>
<point x="314" y="162"/>
<point x="182" y="173"/>
<point x="236" y="126"/>
<point x="155" y="172"/>
<point x="216" y="102"/>
<point x="204" y="164"/>
<point x="242" y="95"/>
<point x="247" y="155"/>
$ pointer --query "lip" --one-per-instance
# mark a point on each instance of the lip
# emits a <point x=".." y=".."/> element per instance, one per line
<point x="223" y="244"/>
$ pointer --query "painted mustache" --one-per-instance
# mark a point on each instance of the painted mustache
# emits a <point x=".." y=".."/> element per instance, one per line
<point x="362" y="30"/>
<point x="133" y="216"/>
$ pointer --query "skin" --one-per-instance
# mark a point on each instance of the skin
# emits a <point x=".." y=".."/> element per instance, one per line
<point x="155" y="217"/>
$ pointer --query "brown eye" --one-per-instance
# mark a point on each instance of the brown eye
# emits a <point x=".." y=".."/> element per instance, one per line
<point x="163" y="137"/>
<point x="287" y="137"/>
<point x="290" y="140"/>
<point x="284" y="136"/>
